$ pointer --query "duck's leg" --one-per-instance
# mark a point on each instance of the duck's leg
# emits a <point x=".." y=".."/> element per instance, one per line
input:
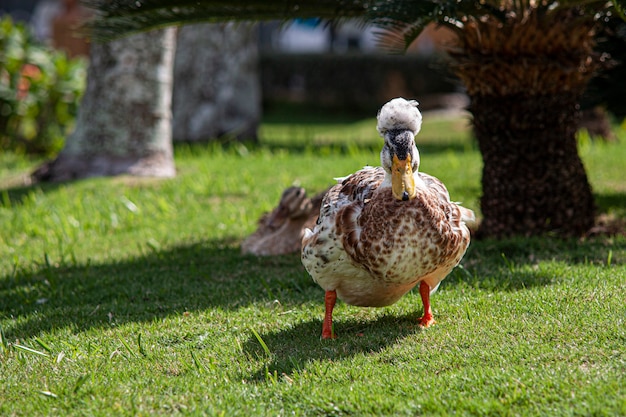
<point x="327" y="328"/>
<point x="427" y="319"/>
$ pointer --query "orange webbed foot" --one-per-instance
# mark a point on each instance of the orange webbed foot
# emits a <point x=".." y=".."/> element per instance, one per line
<point x="427" y="320"/>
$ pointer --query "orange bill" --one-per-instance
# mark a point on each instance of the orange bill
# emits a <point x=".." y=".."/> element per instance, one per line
<point x="402" y="181"/>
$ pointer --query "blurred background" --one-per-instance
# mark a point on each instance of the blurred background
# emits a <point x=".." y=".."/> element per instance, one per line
<point x="303" y="61"/>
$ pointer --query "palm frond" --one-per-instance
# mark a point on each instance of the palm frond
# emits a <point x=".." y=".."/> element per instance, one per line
<point x="402" y="21"/>
<point x="396" y="37"/>
<point x="115" y="18"/>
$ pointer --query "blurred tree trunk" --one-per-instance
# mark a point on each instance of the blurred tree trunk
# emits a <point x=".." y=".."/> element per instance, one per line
<point x="124" y="121"/>
<point x="216" y="82"/>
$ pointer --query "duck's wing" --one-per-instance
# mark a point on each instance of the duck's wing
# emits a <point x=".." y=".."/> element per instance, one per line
<point x="439" y="189"/>
<point x="357" y="187"/>
<point x="322" y="243"/>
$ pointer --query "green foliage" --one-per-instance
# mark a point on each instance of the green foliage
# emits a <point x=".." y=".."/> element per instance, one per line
<point x="40" y="90"/>
<point x="126" y="296"/>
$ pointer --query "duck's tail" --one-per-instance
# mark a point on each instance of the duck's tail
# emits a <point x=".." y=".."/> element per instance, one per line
<point x="467" y="216"/>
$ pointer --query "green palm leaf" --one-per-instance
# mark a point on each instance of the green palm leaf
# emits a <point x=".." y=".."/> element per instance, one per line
<point x="116" y="18"/>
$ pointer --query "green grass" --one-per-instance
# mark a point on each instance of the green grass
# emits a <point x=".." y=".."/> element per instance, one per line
<point x="129" y="296"/>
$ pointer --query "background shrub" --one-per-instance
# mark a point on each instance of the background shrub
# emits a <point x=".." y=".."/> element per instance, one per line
<point x="40" y="89"/>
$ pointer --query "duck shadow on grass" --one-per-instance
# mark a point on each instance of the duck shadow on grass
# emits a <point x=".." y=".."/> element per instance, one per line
<point x="354" y="337"/>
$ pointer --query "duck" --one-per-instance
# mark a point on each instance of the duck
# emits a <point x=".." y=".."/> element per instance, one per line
<point x="280" y="232"/>
<point x="384" y="230"/>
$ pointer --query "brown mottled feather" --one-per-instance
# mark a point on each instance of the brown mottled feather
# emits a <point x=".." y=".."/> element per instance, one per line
<point x="280" y="231"/>
<point x="372" y="248"/>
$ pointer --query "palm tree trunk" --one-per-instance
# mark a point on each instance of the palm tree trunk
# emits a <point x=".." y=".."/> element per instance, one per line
<point x="525" y="79"/>
<point x="533" y="179"/>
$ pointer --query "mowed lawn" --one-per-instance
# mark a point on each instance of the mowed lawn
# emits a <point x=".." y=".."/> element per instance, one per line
<point x="129" y="296"/>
